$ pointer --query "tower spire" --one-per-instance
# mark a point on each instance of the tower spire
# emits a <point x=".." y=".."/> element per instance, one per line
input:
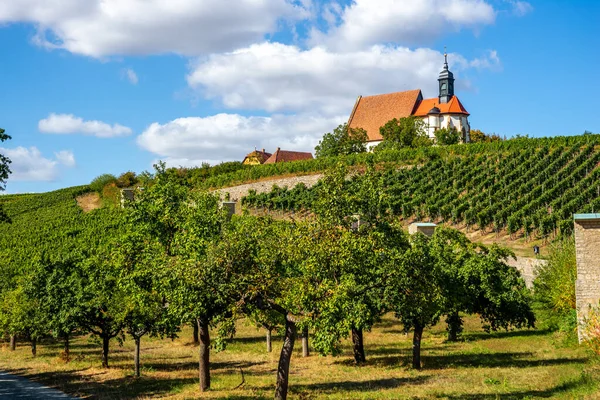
<point x="445" y="58"/>
<point x="446" y="81"/>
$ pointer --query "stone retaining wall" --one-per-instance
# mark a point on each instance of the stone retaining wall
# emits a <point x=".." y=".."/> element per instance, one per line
<point x="527" y="267"/>
<point x="237" y="192"/>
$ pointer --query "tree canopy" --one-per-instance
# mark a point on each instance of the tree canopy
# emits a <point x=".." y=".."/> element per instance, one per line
<point x="342" y="141"/>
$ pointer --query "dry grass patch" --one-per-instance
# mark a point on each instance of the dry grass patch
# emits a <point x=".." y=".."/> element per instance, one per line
<point x="89" y="201"/>
<point x="517" y="364"/>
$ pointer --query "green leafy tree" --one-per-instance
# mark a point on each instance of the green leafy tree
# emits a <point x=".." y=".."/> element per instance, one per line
<point x="186" y="224"/>
<point x="353" y="212"/>
<point x="142" y="273"/>
<point x="477" y="136"/>
<point x="402" y="133"/>
<point x="447" y="136"/>
<point x="4" y="173"/>
<point x="55" y="285"/>
<point x="342" y="141"/>
<point x="127" y="179"/>
<point x="415" y="291"/>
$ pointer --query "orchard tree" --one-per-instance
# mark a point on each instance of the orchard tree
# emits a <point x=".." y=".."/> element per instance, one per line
<point x="99" y="298"/>
<point x="356" y="209"/>
<point x="476" y="280"/>
<point x="55" y="284"/>
<point x="403" y="133"/>
<point x="415" y="291"/>
<point x="343" y="141"/>
<point x="142" y="273"/>
<point x="185" y="224"/>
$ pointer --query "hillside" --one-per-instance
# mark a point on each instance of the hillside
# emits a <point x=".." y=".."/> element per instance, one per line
<point x="518" y="192"/>
<point x="528" y="189"/>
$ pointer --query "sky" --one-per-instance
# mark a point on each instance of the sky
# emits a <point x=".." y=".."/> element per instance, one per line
<point x="89" y="87"/>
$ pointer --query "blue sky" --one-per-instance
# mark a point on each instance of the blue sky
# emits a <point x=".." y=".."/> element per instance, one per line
<point x="92" y="87"/>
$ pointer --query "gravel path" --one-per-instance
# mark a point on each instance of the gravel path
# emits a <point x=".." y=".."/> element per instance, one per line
<point x="17" y="387"/>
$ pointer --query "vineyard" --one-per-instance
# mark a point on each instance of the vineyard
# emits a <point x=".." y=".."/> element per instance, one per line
<point x="532" y="187"/>
<point x="146" y="269"/>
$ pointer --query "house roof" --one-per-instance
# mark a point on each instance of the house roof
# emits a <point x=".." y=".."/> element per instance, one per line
<point x="372" y="112"/>
<point x="285" y="156"/>
<point x="260" y="155"/>
<point x="454" y="106"/>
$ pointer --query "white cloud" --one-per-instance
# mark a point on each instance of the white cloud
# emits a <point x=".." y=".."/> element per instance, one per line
<point x="368" y="22"/>
<point x="28" y="164"/>
<point x="277" y="77"/>
<point x="66" y="158"/>
<point x="70" y="124"/>
<point x="130" y="75"/>
<point x="101" y="28"/>
<point x="520" y="8"/>
<point x="224" y="137"/>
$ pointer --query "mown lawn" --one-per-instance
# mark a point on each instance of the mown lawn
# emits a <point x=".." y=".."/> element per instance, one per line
<point x="523" y="364"/>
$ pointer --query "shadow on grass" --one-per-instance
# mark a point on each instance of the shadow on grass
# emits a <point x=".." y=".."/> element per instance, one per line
<point x="492" y="360"/>
<point x="462" y="360"/>
<point x="71" y="382"/>
<point x="359" y="386"/>
<point x="504" y="334"/>
<point x="214" y="366"/>
<point x="563" y="388"/>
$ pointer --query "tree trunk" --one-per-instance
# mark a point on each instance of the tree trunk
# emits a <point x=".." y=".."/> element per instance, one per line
<point x="269" y="344"/>
<point x="305" y="350"/>
<point x="359" y="349"/>
<point x="13" y="342"/>
<point x="285" y="357"/>
<point x="204" y="350"/>
<point x="195" y="334"/>
<point x="105" y="342"/>
<point x="136" y="356"/>
<point x="418" y="335"/>
<point x="34" y="347"/>
<point x="454" y="322"/>
<point x="66" y="351"/>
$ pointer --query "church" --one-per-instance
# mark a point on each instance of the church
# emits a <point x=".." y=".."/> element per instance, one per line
<point x="444" y="111"/>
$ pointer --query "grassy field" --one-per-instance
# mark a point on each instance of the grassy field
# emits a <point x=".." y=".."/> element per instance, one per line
<point x="522" y="364"/>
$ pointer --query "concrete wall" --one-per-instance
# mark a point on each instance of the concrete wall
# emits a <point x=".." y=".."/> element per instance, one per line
<point x="527" y="267"/>
<point x="587" y="285"/>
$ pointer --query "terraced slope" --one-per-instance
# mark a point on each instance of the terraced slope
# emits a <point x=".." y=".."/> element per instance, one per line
<point x="530" y="188"/>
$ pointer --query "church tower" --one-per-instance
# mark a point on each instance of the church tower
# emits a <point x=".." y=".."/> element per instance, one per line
<point x="446" y="81"/>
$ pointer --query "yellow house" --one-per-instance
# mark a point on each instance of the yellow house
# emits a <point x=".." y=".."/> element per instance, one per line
<point x="256" y="157"/>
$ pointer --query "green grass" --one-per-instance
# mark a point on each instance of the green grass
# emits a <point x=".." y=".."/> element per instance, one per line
<point x="503" y="365"/>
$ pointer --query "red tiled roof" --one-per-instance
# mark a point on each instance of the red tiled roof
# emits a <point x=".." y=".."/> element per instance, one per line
<point x="285" y="156"/>
<point x="372" y="112"/>
<point x="454" y="106"/>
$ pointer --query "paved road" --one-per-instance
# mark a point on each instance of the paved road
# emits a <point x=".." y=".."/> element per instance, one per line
<point x="17" y="387"/>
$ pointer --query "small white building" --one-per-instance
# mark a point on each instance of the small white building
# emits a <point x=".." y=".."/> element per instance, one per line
<point x="445" y="111"/>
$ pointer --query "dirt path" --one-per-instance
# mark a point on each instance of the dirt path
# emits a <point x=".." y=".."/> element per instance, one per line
<point x="17" y="387"/>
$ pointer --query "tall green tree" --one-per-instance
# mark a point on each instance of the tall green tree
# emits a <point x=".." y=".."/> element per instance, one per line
<point x="186" y="224"/>
<point x="4" y="173"/>
<point x="342" y="141"/>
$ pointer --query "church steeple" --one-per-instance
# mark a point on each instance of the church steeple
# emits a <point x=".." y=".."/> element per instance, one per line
<point x="446" y="81"/>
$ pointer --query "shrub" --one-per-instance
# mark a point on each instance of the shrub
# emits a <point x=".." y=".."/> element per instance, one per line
<point x="592" y="330"/>
<point x="554" y="287"/>
<point x="98" y="183"/>
<point x="127" y="180"/>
